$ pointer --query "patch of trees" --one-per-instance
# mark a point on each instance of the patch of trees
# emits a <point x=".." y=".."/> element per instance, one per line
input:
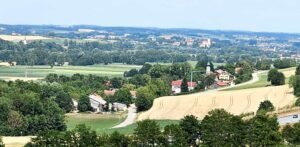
<point x="263" y="64"/>
<point x="284" y="63"/>
<point x="276" y="78"/>
<point x="291" y="134"/>
<point x="27" y="108"/>
<point x="218" y="128"/>
<point x="244" y="73"/>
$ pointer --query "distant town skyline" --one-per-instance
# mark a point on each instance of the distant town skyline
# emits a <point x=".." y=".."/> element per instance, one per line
<point x="247" y="15"/>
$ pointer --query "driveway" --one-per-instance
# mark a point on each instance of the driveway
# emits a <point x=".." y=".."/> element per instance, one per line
<point x="131" y="117"/>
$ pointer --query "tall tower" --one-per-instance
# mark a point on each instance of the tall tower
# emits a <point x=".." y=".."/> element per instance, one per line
<point x="208" y="70"/>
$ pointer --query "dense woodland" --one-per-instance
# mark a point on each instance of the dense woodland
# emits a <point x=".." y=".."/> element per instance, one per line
<point x="89" y="53"/>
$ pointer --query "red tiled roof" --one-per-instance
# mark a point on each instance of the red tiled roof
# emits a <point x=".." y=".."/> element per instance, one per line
<point x="219" y="83"/>
<point x="193" y="84"/>
<point x="177" y="83"/>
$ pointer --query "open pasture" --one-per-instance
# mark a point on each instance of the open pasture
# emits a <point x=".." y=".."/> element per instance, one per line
<point x="36" y="72"/>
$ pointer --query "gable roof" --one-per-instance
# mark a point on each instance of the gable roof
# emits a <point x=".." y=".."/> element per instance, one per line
<point x="97" y="98"/>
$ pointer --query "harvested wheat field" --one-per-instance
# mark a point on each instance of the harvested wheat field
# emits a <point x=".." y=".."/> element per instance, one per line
<point x="20" y="38"/>
<point x="235" y="102"/>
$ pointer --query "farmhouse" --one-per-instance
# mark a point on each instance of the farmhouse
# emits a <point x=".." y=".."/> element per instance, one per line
<point x="223" y="75"/>
<point x="176" y="86"/>
<point x="97" y="102"/>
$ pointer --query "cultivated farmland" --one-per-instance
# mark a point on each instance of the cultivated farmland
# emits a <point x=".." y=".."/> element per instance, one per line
<point x="235" y="102"/>
<point x="39" y="72"/>
<point x="20" y="38"/>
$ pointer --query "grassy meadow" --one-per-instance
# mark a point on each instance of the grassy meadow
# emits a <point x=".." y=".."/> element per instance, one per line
<point x="263" y="80"/>
<point x="103" y="123"/>
<point x="112" y="70"/>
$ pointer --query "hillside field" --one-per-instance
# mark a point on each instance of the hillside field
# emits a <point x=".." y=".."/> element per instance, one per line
<point x="236" y="101"/>
<point x="36" y="72"/>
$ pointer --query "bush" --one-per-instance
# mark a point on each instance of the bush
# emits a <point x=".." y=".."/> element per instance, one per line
<point x="1" y="143"/>
<point x="266" y="106"/>
<point x="276" y="78"/>
<point x="297" y="102"/>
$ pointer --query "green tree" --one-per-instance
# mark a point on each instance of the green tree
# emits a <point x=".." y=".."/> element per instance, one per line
<point x="159" y="87"/>
<point x="265" y="106"/>
<point x="230" y="68"/>
<point x="64" y="101"/>
<point x="174" y="135"/>
<point x="84" y="104"/>
<point x="262" y="130"/>
<point x="220" y="128"/>
<point x="297" y="86"/>
<point x="276" y="78"/>
<point x="156" y="71"/>
<point x="291" y="134"/>
<point x="144" y="99"/>
<point x="147" y="133"/>
<point x="145" y="69"/>
<point x="297" y="102"/>
<point x="123" y="96"/>
<point x="118" y="140"/>
<point x="209" y="80"/>
<point x="292" y="81"/>
<point x="191" y="126"/>
<point x="184" y="85"/>
<point x="116" y="82"/>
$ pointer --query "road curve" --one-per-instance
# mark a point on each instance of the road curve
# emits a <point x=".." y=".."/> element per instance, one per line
<point x="131" y="117"/>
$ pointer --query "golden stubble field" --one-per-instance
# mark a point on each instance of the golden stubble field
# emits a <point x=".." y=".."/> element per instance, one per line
<point x="20" y="38"/>
<point x="235" y="102"/>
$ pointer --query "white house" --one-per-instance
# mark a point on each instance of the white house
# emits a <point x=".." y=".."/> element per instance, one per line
<point x="223" y="75"/>
<point x="176" y="86"/>
<point x="97" y="102"/>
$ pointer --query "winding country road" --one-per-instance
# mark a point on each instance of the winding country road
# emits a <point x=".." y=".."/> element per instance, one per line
<point x="131" y="117"/>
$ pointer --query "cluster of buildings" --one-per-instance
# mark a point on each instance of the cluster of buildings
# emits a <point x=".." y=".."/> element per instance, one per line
<point x="223" y="79"/>
<point x="99" y="104"/>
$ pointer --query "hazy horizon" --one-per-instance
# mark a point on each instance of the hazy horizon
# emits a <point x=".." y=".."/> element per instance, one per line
<point x="227" y="15"/>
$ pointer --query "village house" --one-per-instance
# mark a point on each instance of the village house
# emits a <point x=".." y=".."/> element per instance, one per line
<point x="223" y="75"/>
<point x="176" y="86"/>
<point x="97" y="102"/>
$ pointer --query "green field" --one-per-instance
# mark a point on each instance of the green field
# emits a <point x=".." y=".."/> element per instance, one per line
<point x="262" y="82"/>
<point x="103" y="123"/>
<point x="112" y="70"/>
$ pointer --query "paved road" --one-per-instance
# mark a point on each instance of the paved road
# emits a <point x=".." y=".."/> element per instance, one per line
<point x="289" y="119"/>
<point x="131" y="117"/>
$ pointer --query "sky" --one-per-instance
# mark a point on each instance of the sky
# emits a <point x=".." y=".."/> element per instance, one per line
<point x="250" y="15"/>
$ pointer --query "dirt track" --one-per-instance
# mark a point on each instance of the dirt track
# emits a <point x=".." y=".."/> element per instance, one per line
<point x="235" y="102"/>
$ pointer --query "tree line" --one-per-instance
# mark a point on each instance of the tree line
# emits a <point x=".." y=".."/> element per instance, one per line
<point x="217" y="128"/>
